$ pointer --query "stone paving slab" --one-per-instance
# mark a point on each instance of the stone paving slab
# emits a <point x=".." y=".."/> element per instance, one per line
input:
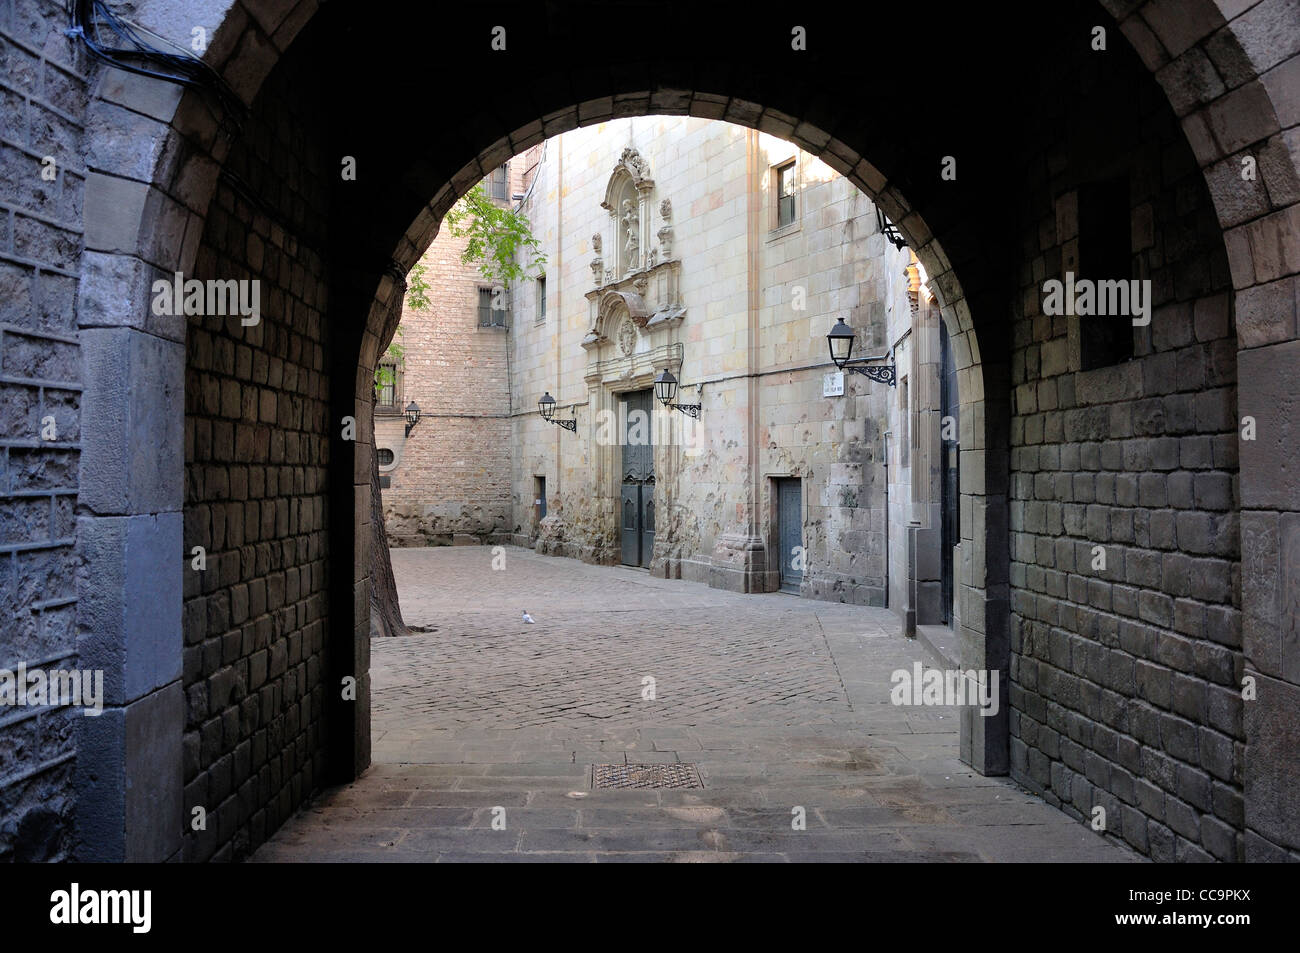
<point x="782" y="703"/>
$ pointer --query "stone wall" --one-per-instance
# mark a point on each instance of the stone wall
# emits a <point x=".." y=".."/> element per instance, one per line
<point x="917" y="455"/>
<point x="43" y="95"/>
<point x="1126" y="678"/>
<point x="450" y="478"/>
<point x="256" y="452"/>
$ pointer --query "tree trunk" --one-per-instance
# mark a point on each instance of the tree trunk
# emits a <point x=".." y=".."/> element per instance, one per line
<point x="385" y="611"/>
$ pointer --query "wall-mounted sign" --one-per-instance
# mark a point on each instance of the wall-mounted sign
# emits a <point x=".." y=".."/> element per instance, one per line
<point x="833" y="384"/>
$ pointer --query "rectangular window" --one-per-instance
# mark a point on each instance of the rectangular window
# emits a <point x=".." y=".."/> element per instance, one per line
<point x="1105" y="254"/>
<point x="499" y="183"/>
<point x="492" y="309"/>
<point x="541" y="299"/>
<point x="904" y="422"/>
<point x="785" y="194"/>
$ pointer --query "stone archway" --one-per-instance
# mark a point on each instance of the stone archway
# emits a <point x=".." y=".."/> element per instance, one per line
<point x="146" y="211"/>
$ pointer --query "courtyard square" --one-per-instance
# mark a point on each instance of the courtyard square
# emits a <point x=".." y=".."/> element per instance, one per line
<point x="780" y="702"/>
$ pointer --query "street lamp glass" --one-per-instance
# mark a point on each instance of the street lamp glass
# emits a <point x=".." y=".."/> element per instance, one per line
<point x="546" y="405"/>
<point x="665" y="387"/>
<point x="841" y="343"/>
<point x="412" y="412"/>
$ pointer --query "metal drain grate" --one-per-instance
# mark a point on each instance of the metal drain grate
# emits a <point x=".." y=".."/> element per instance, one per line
<point x="645" y="776"/>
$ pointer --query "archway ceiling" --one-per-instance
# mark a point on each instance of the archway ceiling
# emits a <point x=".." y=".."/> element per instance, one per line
<point x="899" y="87"/>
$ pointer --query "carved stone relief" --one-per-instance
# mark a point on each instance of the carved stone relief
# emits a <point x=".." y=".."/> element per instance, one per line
<point x="627" y="336"/>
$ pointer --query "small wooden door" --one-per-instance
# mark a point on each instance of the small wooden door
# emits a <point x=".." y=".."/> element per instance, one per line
<point x="636" y="505"/>
<point x="789" y="509"/>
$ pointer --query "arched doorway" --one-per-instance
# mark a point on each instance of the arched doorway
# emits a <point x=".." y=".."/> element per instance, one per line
<point x="954" y="225"/>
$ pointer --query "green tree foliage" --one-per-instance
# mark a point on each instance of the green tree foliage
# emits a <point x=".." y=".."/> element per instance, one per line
<point x="501" y="243"/>
<point x="417" y="289"/>
<point x="499" y="238"/>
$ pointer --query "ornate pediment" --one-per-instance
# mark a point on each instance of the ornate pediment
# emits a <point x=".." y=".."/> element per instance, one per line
<point x="633" y="303"/>
<point x="648" y="298"/>
<point x="632" y="167"/>
<point x="636" y="281"/>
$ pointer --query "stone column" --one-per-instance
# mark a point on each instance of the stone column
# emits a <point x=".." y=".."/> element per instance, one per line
<point x="130" y="545"/>
<point x="740" y="555"/>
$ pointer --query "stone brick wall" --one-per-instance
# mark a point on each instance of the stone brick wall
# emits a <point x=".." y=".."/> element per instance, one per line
<point x="1126" y="679"/>
<point x="43" y="91"/>
<point x="450" y="477"/>
<point x="256" y="451"/>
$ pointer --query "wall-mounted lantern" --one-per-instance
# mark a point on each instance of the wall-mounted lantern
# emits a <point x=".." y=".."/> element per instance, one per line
<point x="547" y="407"/>
<point x="890" y="230"/>
<point x="666" y="390"/>
<point x="841" y="343"/>
<point x="412" y="416"/>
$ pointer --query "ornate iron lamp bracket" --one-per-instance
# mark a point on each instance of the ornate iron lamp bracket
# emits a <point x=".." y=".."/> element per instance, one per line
<point x="880" y="373"/>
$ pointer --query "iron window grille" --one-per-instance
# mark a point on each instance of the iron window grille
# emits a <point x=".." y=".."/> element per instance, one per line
<point x="388" y="393"/>
<point x="490" y="316"/>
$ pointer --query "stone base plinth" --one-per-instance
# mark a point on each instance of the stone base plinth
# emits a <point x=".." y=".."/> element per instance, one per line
<point x="740" y="564"/>
<point x="836" y="587"/>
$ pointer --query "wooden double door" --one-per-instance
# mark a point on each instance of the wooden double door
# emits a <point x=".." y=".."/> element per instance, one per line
<point x="637" y="505"/>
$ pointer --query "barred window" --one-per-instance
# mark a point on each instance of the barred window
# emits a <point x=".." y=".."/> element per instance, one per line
<point x="492" y="309"/>
<point x="386" y="394"/>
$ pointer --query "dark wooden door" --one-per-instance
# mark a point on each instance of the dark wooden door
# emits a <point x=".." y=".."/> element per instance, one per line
<point x="630" y="524"/>
<point x="789" y="510"/>
<point x="636" y="516"/>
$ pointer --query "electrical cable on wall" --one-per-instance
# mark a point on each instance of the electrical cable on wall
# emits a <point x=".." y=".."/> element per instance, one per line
<point x="143" y="58"/>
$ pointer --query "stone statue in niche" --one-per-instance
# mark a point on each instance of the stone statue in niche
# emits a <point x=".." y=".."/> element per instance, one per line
<point x="632" y="226"/>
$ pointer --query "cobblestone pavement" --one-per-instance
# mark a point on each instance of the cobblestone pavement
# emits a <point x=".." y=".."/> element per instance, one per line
<point x="782" y="703"/>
